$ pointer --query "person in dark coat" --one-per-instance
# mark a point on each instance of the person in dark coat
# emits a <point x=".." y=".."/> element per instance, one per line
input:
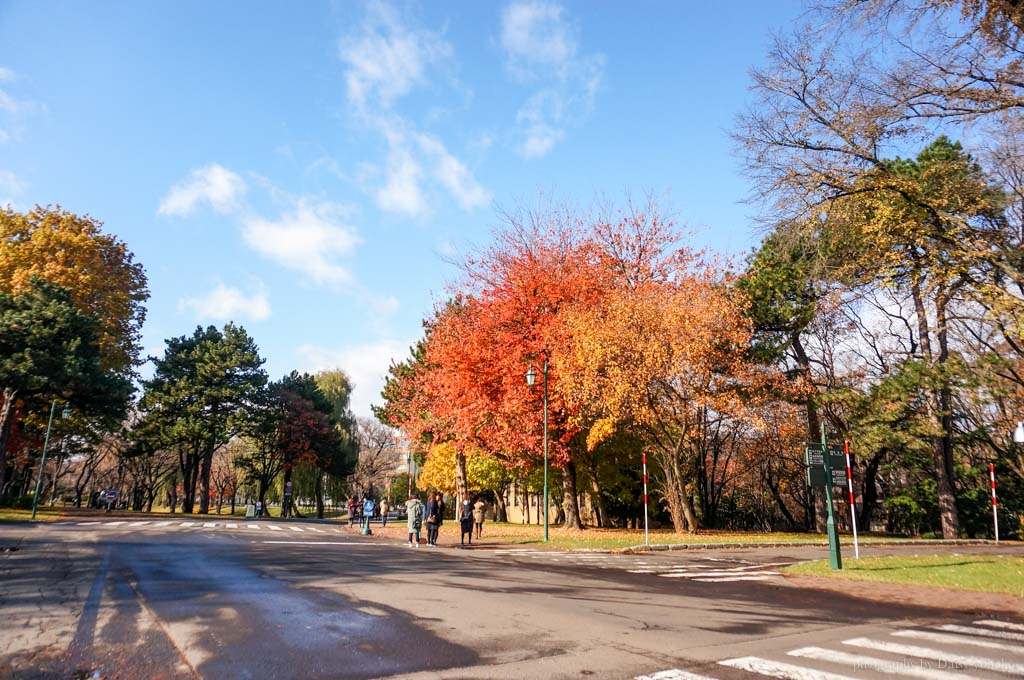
<point x="466" y="520"/>
<point x="432" y="519"/>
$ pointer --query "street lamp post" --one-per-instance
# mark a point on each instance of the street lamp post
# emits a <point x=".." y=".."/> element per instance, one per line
<point x="46" y="443"/>
<point x="531" y="377"/>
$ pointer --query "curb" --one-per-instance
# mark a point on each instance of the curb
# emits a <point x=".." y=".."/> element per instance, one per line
<point x="792" y="544"/>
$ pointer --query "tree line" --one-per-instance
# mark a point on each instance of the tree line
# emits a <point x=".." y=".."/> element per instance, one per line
<point x="884" y="302"/>
<point x="207" y="425"/>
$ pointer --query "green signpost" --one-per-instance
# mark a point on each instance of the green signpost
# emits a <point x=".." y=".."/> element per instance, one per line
<point x="826" y="465"/>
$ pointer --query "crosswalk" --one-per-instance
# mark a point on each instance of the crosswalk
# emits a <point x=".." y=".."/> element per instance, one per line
<point x="941" y="652"/>
<point x="694" y="568"/>
<point x="172" y="525"/>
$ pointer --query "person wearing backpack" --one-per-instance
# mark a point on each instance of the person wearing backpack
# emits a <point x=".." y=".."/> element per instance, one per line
<point x="414" y="510"/>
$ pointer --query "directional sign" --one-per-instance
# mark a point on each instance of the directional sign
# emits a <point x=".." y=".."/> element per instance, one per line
<point x="814" y="456"/>
<point x="816" y="476"/>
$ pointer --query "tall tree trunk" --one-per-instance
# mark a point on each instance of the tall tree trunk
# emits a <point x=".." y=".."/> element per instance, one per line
<point x="942" y="455"/>
<point x="319" y="493"/>
<point x="572" y="511"/>
<point x="6" y="423"/>
<point x="869" y="492"/>
<point x="500" y="508"/>
<point x="526" y="504"/>
<point x="204" y="482"/>
<point x="597" y="500"/>
<point x="461" y="486"/>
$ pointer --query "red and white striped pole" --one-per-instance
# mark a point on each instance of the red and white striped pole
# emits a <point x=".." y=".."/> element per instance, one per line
<point x="853" y="507"/>
<point x="647" y="539"/>
<point x="995" y="505"/>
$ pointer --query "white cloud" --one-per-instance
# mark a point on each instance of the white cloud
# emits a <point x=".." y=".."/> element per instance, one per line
<point x="225" y="303"/>
<point x="11" y="187"/>
<point x="367" y="364"/>
<point x="453" y="175"/>
<point x="8" y="103"/>
<point x="536" y="34"/>
<point x="213" y="184"/>
<point x="6" y="74"/>
<point x="542" y="46"/>
<point x="401" y="192"/>
<point x="309" y="239"/>
<point x="387" y="59"/>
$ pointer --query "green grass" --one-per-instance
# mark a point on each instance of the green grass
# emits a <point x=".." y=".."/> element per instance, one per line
<point x="18" y="515"/>
<point x="987" y="574"/>
<point x="612" y="539"/>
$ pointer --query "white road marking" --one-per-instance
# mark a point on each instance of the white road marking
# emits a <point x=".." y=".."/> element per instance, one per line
<point x="84" y="524"/>
<point x="188" y="524"/>
<point x="229" y="525"/>
<point x="935" y="655"/>
<point x="209" y="525"/>
<point x="295" y="528"/>
<point x="254" y="526"/>
<point x="775" y="669"/>
<point x="319" y="531"/>
<point x="1001" y="624"/>
<point x="984" y="632"/>
<point x="114" y="524"/>
<point x="861" y="662"/>
<point x="674" y="674"/>
<point x="165" y="523"/>
<point x="320" y="543"/>
<point x="139" y="524"/>
<point x="950" y="638"/>
<point x="729" y="579"/>
<point x="712" y="574"/>
<point x="273" y="528"/>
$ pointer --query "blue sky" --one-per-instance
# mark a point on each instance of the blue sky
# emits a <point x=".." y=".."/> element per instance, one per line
<point x="306" y="169"/>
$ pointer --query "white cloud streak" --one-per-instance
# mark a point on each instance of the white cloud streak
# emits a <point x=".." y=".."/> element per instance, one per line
<point x="224" y="303"/>
<point x="367" y="364"/>
<point x="384" y="61"/>
<point x="310" y="239"/>
<point x="542" y="48"/>
<point x="387" y="59"/>
<point x="213" y="185"/>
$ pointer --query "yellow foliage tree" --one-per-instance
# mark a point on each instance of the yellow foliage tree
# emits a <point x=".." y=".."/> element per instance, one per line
<point x="72" y="251"/>
<point x="670" y="358"/>
<point x="482" y="471"/>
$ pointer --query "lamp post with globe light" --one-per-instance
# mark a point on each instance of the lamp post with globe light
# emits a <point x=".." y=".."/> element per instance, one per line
<point x="531" y="377"/>
<point x="66" y="413"/>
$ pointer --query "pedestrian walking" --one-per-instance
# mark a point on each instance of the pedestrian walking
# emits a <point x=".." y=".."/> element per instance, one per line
<point x="466" y="521"/>
<point x="479" y="509"/>
<point x="351" y="510"/>
<point x="440" y="515"/>
<point x="414" y="510"/>
<point x="432" y="519"/>
<point x="385" y="508"/>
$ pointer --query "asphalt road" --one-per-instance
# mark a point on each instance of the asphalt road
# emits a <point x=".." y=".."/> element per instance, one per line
<point x="219" y="600"/>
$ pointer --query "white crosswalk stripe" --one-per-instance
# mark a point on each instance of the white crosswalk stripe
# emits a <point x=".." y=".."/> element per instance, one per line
<point x="673" y="674"/>
<point x="209" y="525"/>
<point x="1001" y="624"/>
<point x="942" y="660"/>
<point x="860" y="661"/>
<point x="947" y="658"/>
<point x="777" y="669"/>
<point x="950" y="638"/>
<point x="702" y="569"/>
<point x="984" y="632"/>
<point x="229" y="525"/>
<point x="295" y="528"/>
<point x="139" y="524"/>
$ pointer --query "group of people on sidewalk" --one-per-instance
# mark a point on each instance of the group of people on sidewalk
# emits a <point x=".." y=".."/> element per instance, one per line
<point x="470" y="514"/>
